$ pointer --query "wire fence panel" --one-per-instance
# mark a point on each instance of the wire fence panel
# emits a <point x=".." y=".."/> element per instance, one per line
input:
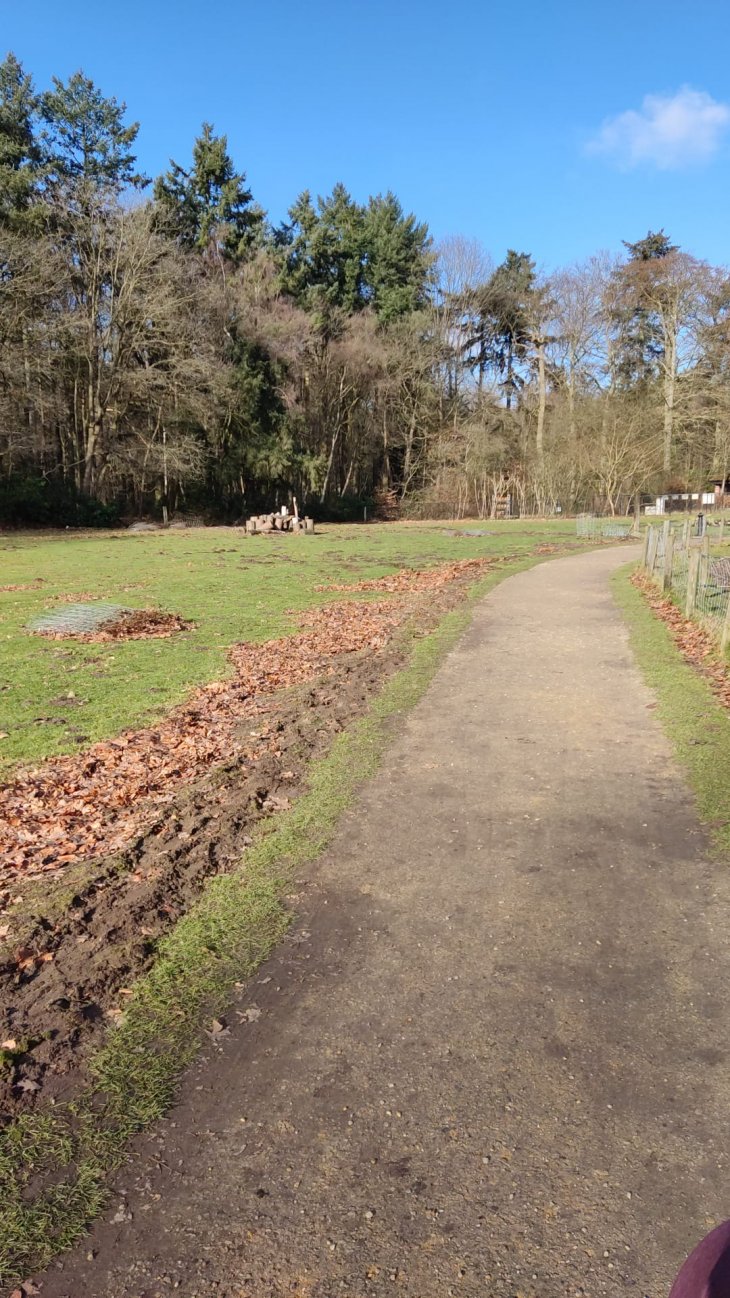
<point x="680" y="569"/>
<point x="589" y="525"/>
<point x="697" y="580"/>
<point x="612" y="527"/>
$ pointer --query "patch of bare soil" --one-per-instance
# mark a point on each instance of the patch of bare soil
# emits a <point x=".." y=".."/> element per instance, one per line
<point x="66" y="964"/>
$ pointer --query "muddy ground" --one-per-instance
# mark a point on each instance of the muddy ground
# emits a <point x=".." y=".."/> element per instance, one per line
<point x="88" y="934"/>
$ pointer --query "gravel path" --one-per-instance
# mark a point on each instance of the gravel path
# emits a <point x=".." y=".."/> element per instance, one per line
<point x="491" y="1058"/>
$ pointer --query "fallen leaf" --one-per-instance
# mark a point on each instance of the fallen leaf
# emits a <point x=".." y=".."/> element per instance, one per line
<point x="86" y="803"/>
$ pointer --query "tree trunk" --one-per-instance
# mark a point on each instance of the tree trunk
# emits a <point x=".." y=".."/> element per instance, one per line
<point x="541" y="399"/>
<point x="670" y="380"/>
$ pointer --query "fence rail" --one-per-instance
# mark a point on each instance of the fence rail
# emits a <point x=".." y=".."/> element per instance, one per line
<point x="692" y="573"/>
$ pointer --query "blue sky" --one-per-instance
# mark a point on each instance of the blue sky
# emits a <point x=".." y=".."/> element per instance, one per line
<point x="557" y="129"/>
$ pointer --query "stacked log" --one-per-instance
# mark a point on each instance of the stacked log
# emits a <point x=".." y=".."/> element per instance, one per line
<point x="261" y="524"/>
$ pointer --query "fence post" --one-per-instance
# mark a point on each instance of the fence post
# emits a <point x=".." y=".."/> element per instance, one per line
<point x="645" y="551"/>
<point x="653" y="547"/>
<point x="693" y="572"/>
<point x="704" y="579"/>
<point x="687" y="528"/>
<point x="668" y="561"/>
<point x="721" y="533"/>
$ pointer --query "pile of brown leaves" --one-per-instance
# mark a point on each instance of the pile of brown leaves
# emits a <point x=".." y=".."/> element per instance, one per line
<point x="134" y="624"/>
<point x="695" y="643"/>
<point x="22" y="585"/>
<point x="415" y="580"/>
<point x="95" y="802"/>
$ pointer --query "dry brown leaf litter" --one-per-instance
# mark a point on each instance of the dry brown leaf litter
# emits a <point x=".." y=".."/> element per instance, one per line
<point x="83" y="804"/>
<point x="695" y="643"/>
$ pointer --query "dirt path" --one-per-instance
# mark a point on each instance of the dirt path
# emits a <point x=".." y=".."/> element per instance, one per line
<point x="491" y="1059"/>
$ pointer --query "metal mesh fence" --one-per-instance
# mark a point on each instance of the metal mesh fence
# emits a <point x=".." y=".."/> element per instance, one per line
<point x="77" y="619"/>
<point x="593" y="527"/>
<point x="712" y="599"/>
<point x="680" y="569"/>
<point x="693" y="573"/>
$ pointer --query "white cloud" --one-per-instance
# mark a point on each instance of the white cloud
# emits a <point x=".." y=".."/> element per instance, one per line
<point x="669" y="131"/>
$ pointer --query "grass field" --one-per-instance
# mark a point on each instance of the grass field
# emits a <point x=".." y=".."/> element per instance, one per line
<point x="231" y="586"/>
<point x="693" y="717"/>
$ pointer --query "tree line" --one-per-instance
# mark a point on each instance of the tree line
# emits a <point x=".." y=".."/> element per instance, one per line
<point x="164" y="348"/>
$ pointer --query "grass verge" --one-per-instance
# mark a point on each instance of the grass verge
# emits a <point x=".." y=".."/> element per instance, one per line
<point x="69" y="1152"/>
<point x="694" y="719"/>
<point x="61" y="696"/>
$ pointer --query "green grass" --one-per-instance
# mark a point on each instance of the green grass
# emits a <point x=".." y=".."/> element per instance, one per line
<point x="233" y="587"/>
<point x="694" y="719"/>
<point x="218" y="943"/>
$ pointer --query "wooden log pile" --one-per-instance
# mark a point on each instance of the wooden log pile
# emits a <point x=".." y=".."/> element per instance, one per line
<point x="261" y="524"/>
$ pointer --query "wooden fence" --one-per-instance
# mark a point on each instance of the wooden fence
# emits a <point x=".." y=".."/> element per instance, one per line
<point x="692" y="571"/>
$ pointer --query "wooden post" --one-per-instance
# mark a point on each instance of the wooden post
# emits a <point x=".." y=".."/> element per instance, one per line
<point x="721" y="533"/>
<point x="703" y="572"/>
<point x="686" y="531"/>
<point x="666" y="533"/>
<point x="645" y="551"/>
<point x="653" y="547"/>
<point x="693" y="572"/>
<point x="668" y="561"/>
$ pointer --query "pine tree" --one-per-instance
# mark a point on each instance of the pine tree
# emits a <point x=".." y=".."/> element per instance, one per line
<point x="504" y="318"/>
<point x="324" y="247"/>
<point x="209" y="207"/>
<point x="87" y="145"/>
<point x="20" y="155"/>
<point x="398" y="258"/>
<point x="654" y="246"/>
<point x="641" y="347"/>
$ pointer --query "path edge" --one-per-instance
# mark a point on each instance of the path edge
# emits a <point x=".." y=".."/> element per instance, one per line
<point x="232" y="928"/>
<point x="692" y="717"/>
